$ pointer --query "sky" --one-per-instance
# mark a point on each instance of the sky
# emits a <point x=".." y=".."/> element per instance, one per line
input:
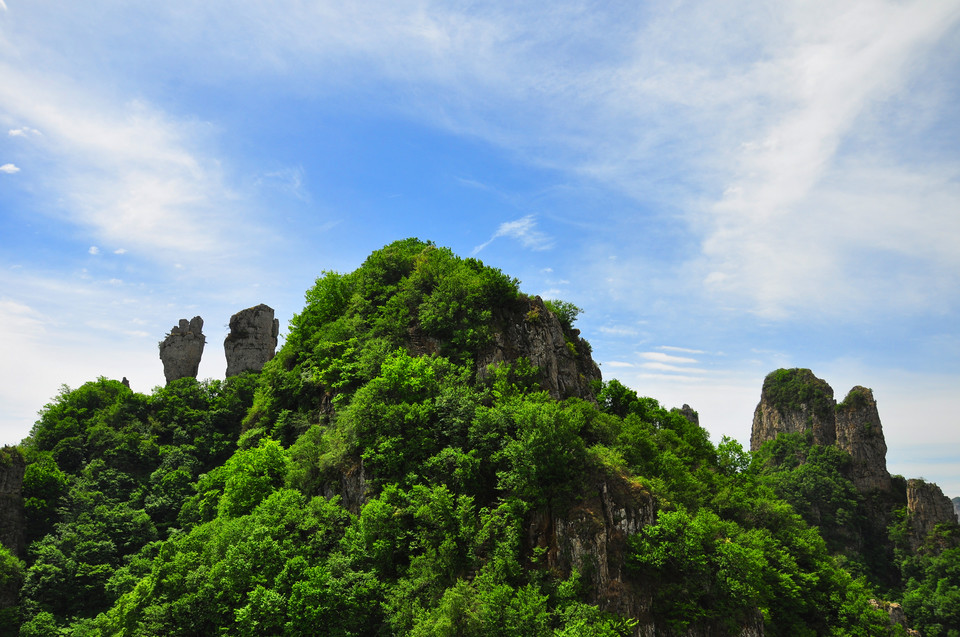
<point x="724" y="188"/>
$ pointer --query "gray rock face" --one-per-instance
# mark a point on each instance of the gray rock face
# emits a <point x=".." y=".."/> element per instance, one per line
<point x="793" y="401"/>
<point x="928" y="507"/>
<point x="182" y="348"/>
<point x="956" y="507"/>
<point x="592" y="538"/>
<point x="564" y="360"/>
<point x="860" y="434"/>
<point x="252" y="340"/>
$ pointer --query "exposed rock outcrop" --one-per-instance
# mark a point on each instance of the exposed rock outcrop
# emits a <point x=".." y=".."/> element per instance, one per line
<point x="13" y="523"/>
<point x="928" y="507"/>
<point x="182" y="348"/>
<point x="563" y="358"/>
<point x="252" y="340"/>
<point x="897" y="616"/>
<point x="793" y="401"/>
<point x="592" y="538"/>
<point x="956" y="507"/>
<point x="860" y="434"/>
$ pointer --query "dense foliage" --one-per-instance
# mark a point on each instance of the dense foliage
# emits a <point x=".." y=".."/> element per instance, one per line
<point x="370" y="482"/>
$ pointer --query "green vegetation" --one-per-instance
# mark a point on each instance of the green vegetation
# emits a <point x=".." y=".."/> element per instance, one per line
<point x="369" y="481"/>
<point x="790" y="389"/>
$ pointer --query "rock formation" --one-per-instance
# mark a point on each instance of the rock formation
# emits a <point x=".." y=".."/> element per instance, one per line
<point x="928" y="507"/>
<point x="860" y="434"/>
<point x="956" y="507"/>
<point x="792" y="401"/>
<point x="592" y="538"/>
<point x="181" y="350"/>
<point x="12" y="521"/>
<point x="563" y="358"/>
<point x="252" y="340"/>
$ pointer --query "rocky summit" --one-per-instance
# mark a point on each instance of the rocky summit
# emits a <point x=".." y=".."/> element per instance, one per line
<point x="182" y="349"/>
<point x="252" y="340"/>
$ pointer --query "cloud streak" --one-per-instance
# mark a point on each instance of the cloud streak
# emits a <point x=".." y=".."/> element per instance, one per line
<point x="523" y="230"/>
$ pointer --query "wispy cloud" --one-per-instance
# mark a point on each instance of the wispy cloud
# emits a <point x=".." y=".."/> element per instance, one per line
<point x="523" y="230"/>
<point x="685" y="350"/>
<point x="23" y="131"/>
<point x="666" y="358"/>
<point x="128" y="172"/>
<point x="94" y="250"/>
<point x="9" y="169"/>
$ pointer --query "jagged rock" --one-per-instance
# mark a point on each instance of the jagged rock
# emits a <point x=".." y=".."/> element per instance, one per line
<point x="690" y="414"/>
<point x="791" y="401"/>
<point x="896" y="615"/>
<point x="860" y="434"/>
<point x="592" y="538"/>
<point x="181" y="350"/>
<point x="13" y="523"/>
<point x="956" y="507"/>
<point x="252" y="340"/>
<point x="928" y="507"/>
<point x="565" y="365"/>
<point x="352" y="487"/>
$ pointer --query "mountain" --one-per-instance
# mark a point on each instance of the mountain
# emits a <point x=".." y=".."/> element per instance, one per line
<point x="433" y="452"/>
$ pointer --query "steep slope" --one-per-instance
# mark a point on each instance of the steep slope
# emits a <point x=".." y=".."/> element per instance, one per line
<point x="431" y="452"/>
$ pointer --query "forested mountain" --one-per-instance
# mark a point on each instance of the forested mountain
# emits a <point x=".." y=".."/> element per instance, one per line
<point x="433" y="452"/>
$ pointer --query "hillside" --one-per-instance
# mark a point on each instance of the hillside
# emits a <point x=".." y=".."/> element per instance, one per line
<point x="433" y="452"/>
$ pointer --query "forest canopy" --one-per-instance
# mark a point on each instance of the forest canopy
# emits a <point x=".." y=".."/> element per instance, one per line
<point x="371" y="480"/>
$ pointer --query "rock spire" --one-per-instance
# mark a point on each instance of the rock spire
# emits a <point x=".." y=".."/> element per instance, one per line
<point x="252" y="340"/>
<point x="182" y="348"/>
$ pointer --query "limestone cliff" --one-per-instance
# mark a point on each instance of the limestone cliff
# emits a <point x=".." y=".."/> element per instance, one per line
<point x="928" y="507"/>
<point x="563" y="358"/>
<point x="12" y="521"/>
<point x="252" y="340"/>
<point x="182" y="348"/>
<point x="792" y="401"/>
<point x="591" y="537"/>
<point x="860" y="434"/>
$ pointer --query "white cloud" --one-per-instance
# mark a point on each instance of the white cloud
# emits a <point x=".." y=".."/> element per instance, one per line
<point x="94" y="250"/>
<point x="523" y="230"/>
<point x="23" y="131"/>
<point x="666" y="358"/>
<point x="685" y="350"/>
<point x="9" y="169"/>
<point x="120" y="251"/>
<point x="130" y="172"/>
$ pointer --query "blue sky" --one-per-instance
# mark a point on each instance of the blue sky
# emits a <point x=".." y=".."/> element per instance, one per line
<point x="724" y="188"/>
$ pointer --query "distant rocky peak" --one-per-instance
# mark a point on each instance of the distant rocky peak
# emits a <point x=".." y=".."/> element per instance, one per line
<point x="794" y="401"/>
<point x="182" y="348"/>
<point x="860" y="434"/>
<point x="252" y="340"/>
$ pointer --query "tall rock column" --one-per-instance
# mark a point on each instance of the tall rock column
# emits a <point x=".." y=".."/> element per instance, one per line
<point x="181" y="350"/>
<point x="860" y="434"/>
<point x="252" y="340"/>
<point x="792" y="401"/>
